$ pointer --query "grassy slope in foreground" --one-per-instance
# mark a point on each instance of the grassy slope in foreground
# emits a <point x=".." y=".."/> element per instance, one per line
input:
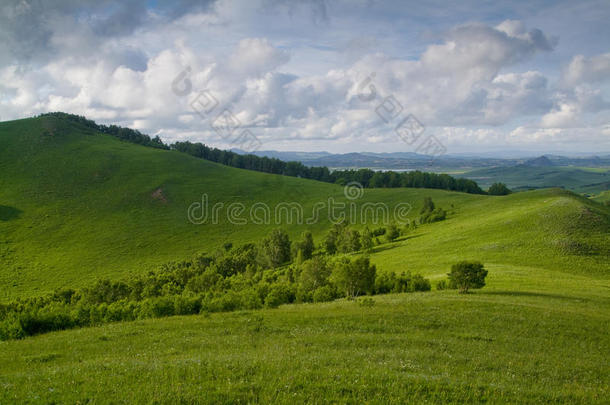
<point x="507" y="343"/>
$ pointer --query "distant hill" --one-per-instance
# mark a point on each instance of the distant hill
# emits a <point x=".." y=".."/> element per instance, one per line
<point x="541" y="161"/>
<point x="415" y="161"/>
<point x="525" y="177"/>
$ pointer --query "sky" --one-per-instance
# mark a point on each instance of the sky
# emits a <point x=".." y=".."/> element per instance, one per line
<point x="338" y="76"/>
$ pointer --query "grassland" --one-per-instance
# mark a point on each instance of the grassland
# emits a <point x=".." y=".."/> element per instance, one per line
<point x="76" y="206"/>
<point x="529" y="336"/>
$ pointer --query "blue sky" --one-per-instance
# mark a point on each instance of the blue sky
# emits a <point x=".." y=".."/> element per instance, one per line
<point x="479" y="76"/>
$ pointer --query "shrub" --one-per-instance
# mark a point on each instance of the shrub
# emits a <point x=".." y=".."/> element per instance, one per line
<point x="186" y="305"/>
<point x="379" y="231"/>
<point x="466" y="275"/>
<point x="366" y="302"/>
<point x="157" y="307"/>
<point x="324" y="294"/>
<point x="279" y="293"/>
<point x="437" y="215"/>
<point x="498" y="189"/>
<point x="11" y="329"/>
<point x="419" y="283"/>
<point x="385" y="282"/>
<point x="392" y="233"/>
<point x="250" y="299"/>
<point x="354" y="278"/>
<point x="402" y="283"/>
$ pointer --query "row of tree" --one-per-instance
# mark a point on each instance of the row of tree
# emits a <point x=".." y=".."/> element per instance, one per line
<point x="126" y="134"/>
<point x="273" y="272"/>
<point x="366" y="177"/>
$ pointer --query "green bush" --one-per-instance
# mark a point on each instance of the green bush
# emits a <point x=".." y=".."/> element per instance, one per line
<point x="366" y="302"/>
<point x="419" y="283"/>
<point x="385" y="283"/>
<point x="442" y="285"/>
<point x="324" y="294"/>
<point x="250" y="299"/>
<point x="467" y="275"/>
<point x="498" y="189"/>
<point x="279" y="293"/>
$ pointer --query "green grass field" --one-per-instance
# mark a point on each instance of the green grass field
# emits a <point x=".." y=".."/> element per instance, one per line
<point x="76" y="206"/>
<point x="530" y="336"/>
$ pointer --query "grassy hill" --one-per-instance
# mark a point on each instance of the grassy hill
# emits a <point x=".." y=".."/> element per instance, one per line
<point x="76" y="206"/>
<point x="524" y="177"/>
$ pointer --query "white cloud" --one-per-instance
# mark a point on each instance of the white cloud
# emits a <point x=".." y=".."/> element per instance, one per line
<point x="587" y="70"/>
<point x="472" y="85"/>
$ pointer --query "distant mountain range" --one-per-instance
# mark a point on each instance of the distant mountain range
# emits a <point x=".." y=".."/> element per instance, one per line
<point x="413" y="161"/>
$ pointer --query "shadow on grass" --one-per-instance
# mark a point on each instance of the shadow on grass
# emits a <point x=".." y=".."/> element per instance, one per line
<point x="382" y="248"/>
<point x="7" y="213"/>
<point x="392" y="245"/>
<point x="532" y="294"/>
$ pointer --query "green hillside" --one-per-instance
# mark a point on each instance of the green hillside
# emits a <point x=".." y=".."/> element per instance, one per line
<point x="76" y="206"/>
<point x="523" y="177"/>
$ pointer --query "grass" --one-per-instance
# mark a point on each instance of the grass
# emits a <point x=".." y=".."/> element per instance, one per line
<point x="76" y="206"/>
<point x="517" y="340"/>
<point x="547" y="229"/>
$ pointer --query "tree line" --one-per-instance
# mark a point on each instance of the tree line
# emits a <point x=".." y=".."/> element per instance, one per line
<point x="273" y="272"/>
<point x="366" y="177"/>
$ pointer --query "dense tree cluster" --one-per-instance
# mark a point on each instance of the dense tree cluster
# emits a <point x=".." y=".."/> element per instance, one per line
<point x="126" y="134"/>
<point x="498" y="189"/>
<point x="250" y="276"/>
<point x="366" y="177"/>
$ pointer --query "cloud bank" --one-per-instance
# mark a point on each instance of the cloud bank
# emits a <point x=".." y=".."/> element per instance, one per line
<point x="294" y="73"/>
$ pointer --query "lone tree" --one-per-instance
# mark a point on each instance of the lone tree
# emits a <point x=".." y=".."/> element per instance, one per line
<point x="428" y="206"/>
<point x="354" y="277"/>
<point x="367" y="240"/>
<point x="467" y="274"/>
<point x="430" y="213"/>
<point x="305" y="247"/>
<point x="392" y="233"/>
<point x="276" y="248"/>
<point x="498" y="189"/>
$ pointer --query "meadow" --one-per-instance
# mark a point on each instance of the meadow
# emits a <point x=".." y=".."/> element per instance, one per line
<point x="530" y="336"/>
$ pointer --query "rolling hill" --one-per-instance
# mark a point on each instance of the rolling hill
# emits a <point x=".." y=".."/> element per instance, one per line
<point x="76" y="205"/>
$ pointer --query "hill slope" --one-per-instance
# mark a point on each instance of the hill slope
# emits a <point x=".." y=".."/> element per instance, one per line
<point x="76" y="206"/>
